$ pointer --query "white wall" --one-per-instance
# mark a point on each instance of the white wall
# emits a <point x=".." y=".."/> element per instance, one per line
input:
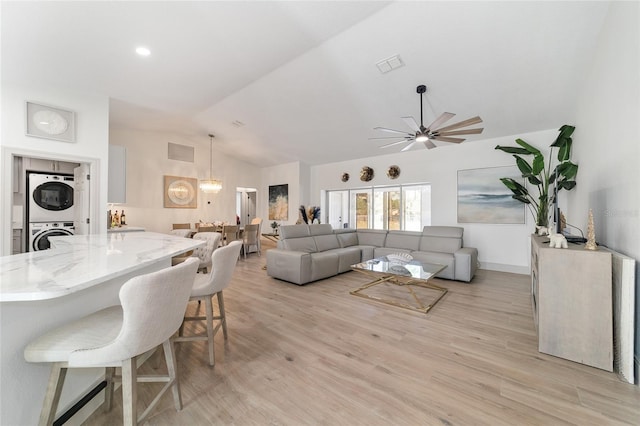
<point x="91" y="146"/>
<point x="291" y="174"/>
<point x="500" y="247"/>
<point x="147" y="163"/>
<point x="608" y="131"/>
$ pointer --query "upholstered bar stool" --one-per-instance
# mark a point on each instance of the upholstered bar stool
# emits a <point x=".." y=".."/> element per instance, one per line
<point x="204" y="253"/>
<point x="205" y="287"/>
<point x="152" y="309"/>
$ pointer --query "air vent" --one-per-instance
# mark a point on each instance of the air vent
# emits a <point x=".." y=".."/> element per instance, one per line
<point x="180" y="152"/>
<point x="237" y="123"/>
<point x="390" y="64"/>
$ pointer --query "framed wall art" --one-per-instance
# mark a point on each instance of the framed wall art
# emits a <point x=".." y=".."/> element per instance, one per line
<point x="483" y="198"/>
<point x="47" y="122"/>
<point x="180" y="192"/>
<point x="279" y="202"/>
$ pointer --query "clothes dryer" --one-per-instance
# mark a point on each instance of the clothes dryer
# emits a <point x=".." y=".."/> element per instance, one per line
<point x="50" y="197"/>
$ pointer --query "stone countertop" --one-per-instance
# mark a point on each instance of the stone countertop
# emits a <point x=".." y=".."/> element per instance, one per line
<point x="78" y="262"/>
<point x="126" y="228"/>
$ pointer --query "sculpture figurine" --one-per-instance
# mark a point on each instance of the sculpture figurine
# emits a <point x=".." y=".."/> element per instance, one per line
<point x="557" y="241"/>
<point x="591" y="234"/>
<point x="542" y="230"/>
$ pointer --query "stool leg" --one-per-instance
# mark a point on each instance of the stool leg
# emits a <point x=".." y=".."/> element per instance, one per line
<point x="129" y="392"/>
<point x="223" y="317"/>
<point x="209" y="318"/>
<point x="52" y="396"/>
<point x="108" y="391"/>
<point x="172" y="370"/>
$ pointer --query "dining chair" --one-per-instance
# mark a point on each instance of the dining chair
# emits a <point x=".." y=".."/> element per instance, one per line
<point x="204" y="228"/>
<point x="223" y="263"/>
<point x="181" y="226"/>
<point x="230" y="233"/>
<point x="151" y="311"/>
<point x="204" y="253"/>
<point x="251" y="237"/>
<point x="258" y="221"/>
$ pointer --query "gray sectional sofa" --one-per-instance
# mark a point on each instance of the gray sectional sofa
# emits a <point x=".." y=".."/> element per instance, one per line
<point x="307" y="253"/>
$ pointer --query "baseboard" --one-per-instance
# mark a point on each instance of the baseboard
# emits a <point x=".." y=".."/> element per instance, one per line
<point x="501" y="267"/>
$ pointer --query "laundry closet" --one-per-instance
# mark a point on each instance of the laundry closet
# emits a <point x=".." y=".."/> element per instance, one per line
<point x="46" y="201"/>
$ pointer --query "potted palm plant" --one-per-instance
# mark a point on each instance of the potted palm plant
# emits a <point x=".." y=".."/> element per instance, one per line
<point x="543" y="179"/>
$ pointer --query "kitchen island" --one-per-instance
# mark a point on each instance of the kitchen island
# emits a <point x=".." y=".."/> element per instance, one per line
<point x="41" y="290"/>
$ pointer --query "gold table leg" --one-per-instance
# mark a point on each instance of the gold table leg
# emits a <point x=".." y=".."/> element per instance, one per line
<point x="394" y="279"/>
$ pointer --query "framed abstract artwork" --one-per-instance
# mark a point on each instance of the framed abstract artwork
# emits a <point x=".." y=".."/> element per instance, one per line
<point x="279" y="202"/>
<point x="180" y="192"/>
<point x="483" y="198"/>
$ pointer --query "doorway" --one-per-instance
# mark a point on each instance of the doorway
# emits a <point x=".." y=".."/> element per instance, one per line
<point x="246" y="200"/>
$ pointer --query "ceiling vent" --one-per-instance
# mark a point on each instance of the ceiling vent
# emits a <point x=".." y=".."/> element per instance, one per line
<point x="237" y="123"/>
<point x="390" y="64"/>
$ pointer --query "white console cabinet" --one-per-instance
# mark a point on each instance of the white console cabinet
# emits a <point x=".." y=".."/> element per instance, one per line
<point x="572" y="302"/>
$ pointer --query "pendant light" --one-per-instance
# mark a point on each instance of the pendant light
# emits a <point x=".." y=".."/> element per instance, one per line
<point x="210" y="186"/>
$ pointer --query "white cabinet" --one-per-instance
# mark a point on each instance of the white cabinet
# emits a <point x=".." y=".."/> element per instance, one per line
<point x="17" y="241"/>
<point x="572" y="302"/>
<point x="45" y="165"/>
<point x="117" y="192"/>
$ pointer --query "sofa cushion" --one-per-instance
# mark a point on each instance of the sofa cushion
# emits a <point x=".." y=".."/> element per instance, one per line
<point x="326" y="242"/>
<point x="347" y="239"/>
<point x="321" y="229"/>
<point x="443" y="231"/>
<point x="346" y="257"/>
<point x="294" y="231"/>
<point x="440" y="244"/>
<point x="304" y="244"/>
<point x="371" y="237"/>
<point x="440" y="258"/>
<point x="403" y="239"/>
<point x="324" y="264"/>
<point x="383" y="251"/>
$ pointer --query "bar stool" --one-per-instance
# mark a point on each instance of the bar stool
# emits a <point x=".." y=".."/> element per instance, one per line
<point x="205" y="287"/>
<point x="151" y="311"/>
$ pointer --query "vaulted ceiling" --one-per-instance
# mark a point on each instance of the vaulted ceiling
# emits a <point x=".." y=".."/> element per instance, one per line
<point x="297" y="81"/>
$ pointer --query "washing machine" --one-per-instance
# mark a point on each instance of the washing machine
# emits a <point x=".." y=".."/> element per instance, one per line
<point x="40" y="232"/>
<point x="50" y="197"/>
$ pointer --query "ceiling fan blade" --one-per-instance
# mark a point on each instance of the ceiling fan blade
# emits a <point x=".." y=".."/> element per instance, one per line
<point x="447" y="139"/>
<point x="411" y="122"/>
<point x="444" y="117"/>
<point x="390" y="137"/>
<point x="406" y="148"/>
<point x="395" y="143"/>
<point x="465" y="123"/>
<point x="461" y="132"/>
<point x="384" y="129"/>
<point x="429" y="144"/>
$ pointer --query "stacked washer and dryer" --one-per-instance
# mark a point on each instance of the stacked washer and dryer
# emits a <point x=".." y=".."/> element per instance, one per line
<point x="50" y="209"/>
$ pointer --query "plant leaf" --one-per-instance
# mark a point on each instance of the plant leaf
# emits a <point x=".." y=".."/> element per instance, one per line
<point x="524" y="167"/>
<point x="530" y="149"/>
<point x="512" y="150"/>
<point x="521" y="199"/>
<point x="538" y="164"/>
<point x="565" y="151"/>
<point x="515" y="186"/>
<point x="567" y="184"/>
<point x="568" y="170"/>
<point x="565" y="135"/>
<point x="533" y="180"/>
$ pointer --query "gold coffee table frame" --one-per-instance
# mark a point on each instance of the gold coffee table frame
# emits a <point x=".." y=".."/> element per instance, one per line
<point x="407" y="275"/>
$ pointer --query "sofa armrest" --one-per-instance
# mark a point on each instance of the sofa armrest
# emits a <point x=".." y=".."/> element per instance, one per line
<point x="292" y="266"/>
<point x="466" y="263"/>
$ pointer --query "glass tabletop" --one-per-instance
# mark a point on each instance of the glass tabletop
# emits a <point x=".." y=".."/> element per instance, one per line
<point x="403" y="267"/>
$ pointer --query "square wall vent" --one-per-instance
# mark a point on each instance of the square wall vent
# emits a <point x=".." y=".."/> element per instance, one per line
<point x="390" y="64"/>
<point x="180" y="152"/>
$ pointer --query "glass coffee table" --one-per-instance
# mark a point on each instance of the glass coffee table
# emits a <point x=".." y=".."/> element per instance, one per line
<point x="403" y="281"/>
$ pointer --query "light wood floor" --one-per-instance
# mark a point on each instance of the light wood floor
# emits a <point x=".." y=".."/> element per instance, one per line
<point x="314" y="354"/>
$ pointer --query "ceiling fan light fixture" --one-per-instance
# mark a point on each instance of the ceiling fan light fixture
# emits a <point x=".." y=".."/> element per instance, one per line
<point x="210" y="186"/>
<point x="422" y="138"/>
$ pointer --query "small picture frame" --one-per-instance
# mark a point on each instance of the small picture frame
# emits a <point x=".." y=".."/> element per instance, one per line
<point x="49" y="122"/>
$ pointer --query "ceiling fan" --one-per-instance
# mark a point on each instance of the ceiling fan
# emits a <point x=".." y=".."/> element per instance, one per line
<point x="433" y="132"/>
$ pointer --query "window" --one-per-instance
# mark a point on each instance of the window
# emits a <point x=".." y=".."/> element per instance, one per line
<point x="404" y="207"/>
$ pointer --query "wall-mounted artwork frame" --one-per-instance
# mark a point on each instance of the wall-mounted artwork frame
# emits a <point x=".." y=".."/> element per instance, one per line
<point x="279" y="202"/>
<point x="180" y="192"/>
<point x="483" y="198"/>
<point x="49" y="122"/>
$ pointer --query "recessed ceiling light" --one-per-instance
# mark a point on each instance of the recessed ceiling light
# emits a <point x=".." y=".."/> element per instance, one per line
<point x="143" y="51"/>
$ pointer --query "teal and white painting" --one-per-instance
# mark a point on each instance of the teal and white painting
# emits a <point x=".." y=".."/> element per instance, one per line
<point x="483" y="198"/>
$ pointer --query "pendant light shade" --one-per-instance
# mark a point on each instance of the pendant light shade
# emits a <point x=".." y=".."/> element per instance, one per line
<point x="210" y="186"/>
